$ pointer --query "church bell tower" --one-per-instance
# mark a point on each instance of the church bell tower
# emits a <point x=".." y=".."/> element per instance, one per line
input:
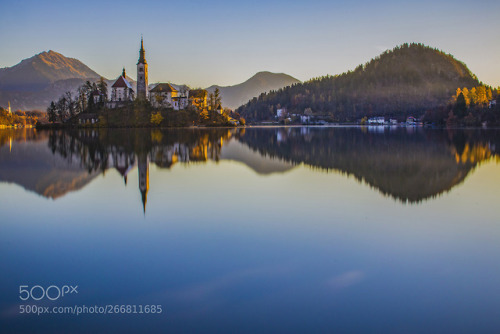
<point x="142" y="74"/>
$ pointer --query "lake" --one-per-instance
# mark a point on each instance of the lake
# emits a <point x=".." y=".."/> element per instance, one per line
<point x="250" y="230"/>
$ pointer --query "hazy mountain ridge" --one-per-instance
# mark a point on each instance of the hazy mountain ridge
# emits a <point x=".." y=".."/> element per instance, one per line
<point x="407" y="79"/>
<point x="35" y="82"/>
<point x="235" y="96"/>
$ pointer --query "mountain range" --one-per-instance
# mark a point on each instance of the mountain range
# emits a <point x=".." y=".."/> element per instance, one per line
<point x="36" y="81"/>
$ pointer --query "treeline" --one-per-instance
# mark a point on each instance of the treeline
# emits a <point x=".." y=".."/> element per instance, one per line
<point x="404" y="81"/>
<point x="469" y="107"/>
<point x="477" y="96"/>
<point x="89" y="98"/>
<point x="19" y="118"/>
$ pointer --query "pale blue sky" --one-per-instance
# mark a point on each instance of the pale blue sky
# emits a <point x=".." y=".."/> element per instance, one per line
<point x="225" y="42"/>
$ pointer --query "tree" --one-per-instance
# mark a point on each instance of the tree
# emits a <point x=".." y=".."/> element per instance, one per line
<point x="217" y="98"/>
<point x="82" y="99"/>
<point x="159" y="99"/>
<point x="51" y="112"/>
<point x="156" y="118"/>
<point x="211" y="105"/>
<point x="62" y="107"/>
<point x="473" y="96"/>
<point x="211" y="101"/>
<point x="460" y="108"/>
<point x="102" y="86"/>
<point x="481" y="96"/>
<point x="71" y="104"/>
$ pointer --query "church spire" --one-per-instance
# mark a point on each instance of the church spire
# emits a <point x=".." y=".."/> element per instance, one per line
<point x="142" y="58"/>
<point x="142" y="74"/>
<point x="124" y="74"/>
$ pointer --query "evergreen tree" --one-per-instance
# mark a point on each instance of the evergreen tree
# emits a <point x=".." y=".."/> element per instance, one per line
<point x="460" y="108"/>
<point x="51" y="112"/>
<point x="103" y="90"/>
<point x="61" y="108"/>
<point x="217" y="98"/>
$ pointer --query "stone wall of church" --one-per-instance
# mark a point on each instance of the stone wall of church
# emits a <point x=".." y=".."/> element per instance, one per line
<point x="142" y="81"/>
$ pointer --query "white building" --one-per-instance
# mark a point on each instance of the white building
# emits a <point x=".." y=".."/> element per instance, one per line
<point x="122" y="89"/>
<point x="281" y="113"/>
<point x="376" y="120"/>
<point x="166" y="95"/>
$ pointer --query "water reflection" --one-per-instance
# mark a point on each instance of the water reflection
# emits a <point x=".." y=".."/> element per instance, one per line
<point x="407" y="164"/>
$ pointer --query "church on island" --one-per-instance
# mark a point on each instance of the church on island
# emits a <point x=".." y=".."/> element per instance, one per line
<point x="160" y="95"/>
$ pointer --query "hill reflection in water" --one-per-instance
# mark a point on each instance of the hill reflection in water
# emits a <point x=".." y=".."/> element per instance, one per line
<point x="407" y="164"/>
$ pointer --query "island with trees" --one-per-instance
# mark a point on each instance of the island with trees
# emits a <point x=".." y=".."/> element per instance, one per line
<point x="90" y="108"/>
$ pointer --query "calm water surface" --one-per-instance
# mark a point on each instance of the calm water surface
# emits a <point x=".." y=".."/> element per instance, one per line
<point x="257" y="230"/>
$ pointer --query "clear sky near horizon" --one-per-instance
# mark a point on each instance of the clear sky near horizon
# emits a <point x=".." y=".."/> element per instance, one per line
<point x="223" y="42"/>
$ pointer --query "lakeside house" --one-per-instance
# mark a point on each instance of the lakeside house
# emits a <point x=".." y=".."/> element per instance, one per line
<point x="411" y="120"/>
<point x="165" y="95"/>
<point x="376" y="120"/>
<point x="86" y="118"/>
<point x="281" y="113"/>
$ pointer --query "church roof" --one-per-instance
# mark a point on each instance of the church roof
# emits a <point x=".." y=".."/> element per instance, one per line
<point x="121" y="82"/>
<point x="163" y="87"/>
<point x="123" y="170"/>
<point x="142" y="58"/>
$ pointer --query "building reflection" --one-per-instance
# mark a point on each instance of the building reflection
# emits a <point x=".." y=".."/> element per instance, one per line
<point x="143" y="178"/>
<point x="408" y="167"/>
<point x="123" y="150"/>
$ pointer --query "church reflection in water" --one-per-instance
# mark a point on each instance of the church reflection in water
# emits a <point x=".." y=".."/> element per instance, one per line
<point x="406" y="164"/>
<point x="123" y="150"/>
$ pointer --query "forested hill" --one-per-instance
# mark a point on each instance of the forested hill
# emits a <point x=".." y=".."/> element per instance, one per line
<point x="409" y="79"/>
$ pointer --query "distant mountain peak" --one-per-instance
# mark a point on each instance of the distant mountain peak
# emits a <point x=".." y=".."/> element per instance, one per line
<point x="261" y="82"/>
<point x="37" y="72"/>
